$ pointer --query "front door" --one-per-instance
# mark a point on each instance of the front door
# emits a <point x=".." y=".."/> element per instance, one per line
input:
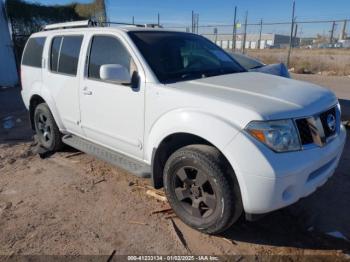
<point x="112" y="114"/>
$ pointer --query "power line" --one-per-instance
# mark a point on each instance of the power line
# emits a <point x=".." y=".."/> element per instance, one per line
<point x="272" y="23"/>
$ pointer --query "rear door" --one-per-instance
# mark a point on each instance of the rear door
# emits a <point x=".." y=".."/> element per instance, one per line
<point x="62" y="78"/>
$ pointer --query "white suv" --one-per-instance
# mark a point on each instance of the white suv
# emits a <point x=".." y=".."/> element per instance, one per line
<point x="175" y="107"/>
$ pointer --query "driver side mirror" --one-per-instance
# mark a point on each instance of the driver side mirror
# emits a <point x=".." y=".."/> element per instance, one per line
<point x="115" y="73"/>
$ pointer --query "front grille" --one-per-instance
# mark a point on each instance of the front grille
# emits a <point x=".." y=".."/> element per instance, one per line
<point x="304" y="131"/>
<point x="318" y="122"/>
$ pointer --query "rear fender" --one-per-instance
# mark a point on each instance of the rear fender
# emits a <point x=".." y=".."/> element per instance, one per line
<point x="45" y="94"/>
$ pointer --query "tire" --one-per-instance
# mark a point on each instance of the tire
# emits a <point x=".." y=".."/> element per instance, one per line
<point x="48" y="134"/>
<point x="202" y="189"/>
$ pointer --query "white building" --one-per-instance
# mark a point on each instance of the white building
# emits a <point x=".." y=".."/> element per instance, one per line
<point x="252" y="40"/>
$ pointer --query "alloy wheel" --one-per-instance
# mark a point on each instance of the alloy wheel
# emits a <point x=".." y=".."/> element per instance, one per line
<point x="194" y="191"/>
<point x="44" y="127"/>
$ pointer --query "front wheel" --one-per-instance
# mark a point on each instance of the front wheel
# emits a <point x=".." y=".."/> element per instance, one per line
<point x="201" y="189"/>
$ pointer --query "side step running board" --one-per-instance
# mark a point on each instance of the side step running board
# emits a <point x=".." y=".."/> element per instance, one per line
<point x="129" y="164"/>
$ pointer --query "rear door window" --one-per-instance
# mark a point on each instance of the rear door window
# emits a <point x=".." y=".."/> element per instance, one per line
<point x="55" y="51"/>
<point x="65" y="52"/>
<point x="33" y="52"/>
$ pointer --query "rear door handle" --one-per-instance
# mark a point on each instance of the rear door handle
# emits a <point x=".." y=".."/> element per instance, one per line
<point x="87" y="92"/>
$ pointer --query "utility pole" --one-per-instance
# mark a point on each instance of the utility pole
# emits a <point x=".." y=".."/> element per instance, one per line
<point x="158" y="19"/>
<point x="332" y="33"/>
<point x="245" y="31"/>
<point x="133" y="20"/>
<point x="291" y="35"/>
<point x="234" y="33"/>
<point x="260" y="33"/>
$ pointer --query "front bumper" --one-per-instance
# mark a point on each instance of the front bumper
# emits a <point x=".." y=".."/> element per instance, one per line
<point x="269" y="180"/>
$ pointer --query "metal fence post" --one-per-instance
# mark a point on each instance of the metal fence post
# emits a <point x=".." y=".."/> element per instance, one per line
<point x="295" y="34"/>
<point x="332" y="33"/>
<point x="291" y="35"/>
<point x="234" y="33"/>
<point x="245" y="32"/>
<point x="192" y="22"/>
<point x="261" y="26"/>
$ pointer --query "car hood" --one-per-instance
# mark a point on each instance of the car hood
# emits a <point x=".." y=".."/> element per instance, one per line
<point x="269" y="96"/>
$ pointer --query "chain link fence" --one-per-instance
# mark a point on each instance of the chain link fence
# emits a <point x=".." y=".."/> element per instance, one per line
<point x="314" y="46"/>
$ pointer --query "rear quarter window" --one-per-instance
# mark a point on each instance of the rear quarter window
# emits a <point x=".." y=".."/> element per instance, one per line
<point x="32" y="55"/>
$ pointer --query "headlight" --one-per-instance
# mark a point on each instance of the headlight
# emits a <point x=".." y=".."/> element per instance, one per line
<point x="339" y="107"/>
<point x="279" y="135"/>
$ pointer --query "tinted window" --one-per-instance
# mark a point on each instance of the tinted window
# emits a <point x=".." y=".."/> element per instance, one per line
<point x="107" y="50"/>
<point x="55" y="49"/>
<point x="69" y="55"/>
<point x="176" y="56"/>
<point x="32" y="55"/>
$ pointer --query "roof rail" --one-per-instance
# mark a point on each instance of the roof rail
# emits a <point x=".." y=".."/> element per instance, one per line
<point x="120" y="23"/>
<point x="91" y="23"/>
<point x="73" y="24"/>
<point x="135" y="25"/>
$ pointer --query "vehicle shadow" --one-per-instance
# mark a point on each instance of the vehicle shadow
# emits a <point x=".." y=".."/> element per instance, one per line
<point x="305" y="224"/>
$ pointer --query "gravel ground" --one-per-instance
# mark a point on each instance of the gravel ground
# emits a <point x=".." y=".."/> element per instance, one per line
<point x="73" y="204"/>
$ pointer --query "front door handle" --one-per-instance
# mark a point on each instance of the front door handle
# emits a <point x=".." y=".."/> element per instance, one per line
<point x="87" y="92"/>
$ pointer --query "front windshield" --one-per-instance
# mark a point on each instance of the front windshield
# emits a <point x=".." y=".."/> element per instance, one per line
<point x="246" y="61"/>
<point x="176" y="56"/>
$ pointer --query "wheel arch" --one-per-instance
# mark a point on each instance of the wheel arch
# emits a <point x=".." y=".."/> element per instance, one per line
<point x="172" y="143"/>
<point x="182" y="127"/>
<point x="37" y="99"/>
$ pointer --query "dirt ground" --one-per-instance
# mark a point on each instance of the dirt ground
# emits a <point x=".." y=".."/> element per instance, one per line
<point x="73" y="204"/>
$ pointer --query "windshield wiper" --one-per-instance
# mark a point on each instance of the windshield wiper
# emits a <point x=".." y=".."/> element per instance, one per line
<point x="192" y="75"/>
<point x="256" y="67"/>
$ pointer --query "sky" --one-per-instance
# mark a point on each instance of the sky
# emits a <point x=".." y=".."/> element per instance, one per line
<point x="178" y="12"/>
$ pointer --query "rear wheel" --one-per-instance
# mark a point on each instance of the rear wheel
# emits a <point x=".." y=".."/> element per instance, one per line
<point x="201" y="189"/>
<point x="48" y="134"/>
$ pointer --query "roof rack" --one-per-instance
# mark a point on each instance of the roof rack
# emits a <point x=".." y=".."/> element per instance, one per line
<point x="74" y="24"/>
<point x="135" y="25"/>
<point x="120" y="23"/>
<point x="91" y="23"/>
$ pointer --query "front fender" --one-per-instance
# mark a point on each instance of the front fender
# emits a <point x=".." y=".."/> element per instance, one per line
<point x="215" y="129"/>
